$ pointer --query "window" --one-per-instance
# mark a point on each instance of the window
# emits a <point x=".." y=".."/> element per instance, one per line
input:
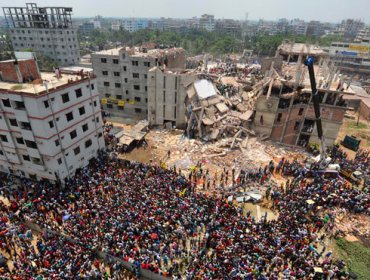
<point x="103" y="60"/>
<point x="146" y="88"/>
<point x="119" y="97"/>
<point x="115" y="61"/>
<point x="261" y="120"/>
<point x="26" y="158"/>
<point x="100" y="134"/>
<point x="147" y="63"/>
<point x="20" y="140"/>
<point x="106" y="84"/>
<point x="174" y="113"/>
<point x="73" y="134"/>
<point x="137" y="99"/>
<point x="117" y="85"/>
<point x="164" y="111"/>
<point x="124" y="68"/>
<point x="300" y="111"/>
<point x="135" y="63"/>
<point x="279" y="117"/>
<point x="137" y="110"/>
<point x="1" y="152"/>
<point x="175" y="97"/>
<point x="26" y="126"/>
<point x="95" y="103"/>
<point x="19" y="105"/>
<point x="3" y="138"/>
<point x="31" y="144"/>
<point x="46" y="104"/>
<point x="107" y="95"/>
<point x="164" y="96"/>
<point x="126" y="80"/>
<point x="145" y="76"/>
<point x="92" y="86"/>
<point x="176" y="83"/>
<point x="59" y="161"/>
<point x="69" y="116"/>
<point x="105" y="73"/>
<point x="88" y="143"/>
<point x="81" y="110"/>
<point x="77" y="150"/>
<point x="135" y="75"/>
<point x="6" y="103"/>
<point x="57" y="142"/>
<point x="51" y="124"/>
<point x="126" y="91"/>
<point x="110" y="106"/>
<point x="296" y="125"/>
<point x="164" y="81"/>
<point x="85" y="127"/>
<point x="65" y="97"/>
<point x="13" y="122"/>
<point x="136" y="87"/>
<point x="116" y="74"/>
<point x="97" y="119"/>
<point x="78" y="92"/>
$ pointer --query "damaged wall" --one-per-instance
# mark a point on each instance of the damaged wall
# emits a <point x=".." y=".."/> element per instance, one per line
<point x="166" y="96"/>
<point x="265" y="115"/>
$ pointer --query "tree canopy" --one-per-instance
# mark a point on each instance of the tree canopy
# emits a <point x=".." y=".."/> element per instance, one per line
<point x="196" y="41"/>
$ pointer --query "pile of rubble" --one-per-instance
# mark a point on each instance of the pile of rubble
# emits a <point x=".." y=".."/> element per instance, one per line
<point x="222" y="107"/>
<point x="186" y="153"/>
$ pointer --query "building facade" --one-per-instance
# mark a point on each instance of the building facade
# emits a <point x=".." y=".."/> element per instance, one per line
<point x="166" y="96"/>
<point x="352" y="57"/>
<point x="122" y="75"/>
<point x="290" y="119"/>
<point x="47" y="31"/>
<point x="49" y="130"/>
<point x="207" y="22"/>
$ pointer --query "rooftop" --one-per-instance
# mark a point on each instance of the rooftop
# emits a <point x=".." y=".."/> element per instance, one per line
<point x="37" y="87"/>
<point x="114" y="51"/>
<point x="300" y="48"/>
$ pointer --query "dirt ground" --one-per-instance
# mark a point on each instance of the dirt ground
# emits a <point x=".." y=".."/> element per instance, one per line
<point x="361" y="131"/>
<point x="185" y="153"/>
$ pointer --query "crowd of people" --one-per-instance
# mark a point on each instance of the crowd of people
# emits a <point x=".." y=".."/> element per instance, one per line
<point x="360" y="163"/>
<point x="47" y="255"/>
<point x="155" y="219"/>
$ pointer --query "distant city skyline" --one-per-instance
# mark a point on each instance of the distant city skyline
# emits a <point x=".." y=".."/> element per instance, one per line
<point x="326" y="11"/>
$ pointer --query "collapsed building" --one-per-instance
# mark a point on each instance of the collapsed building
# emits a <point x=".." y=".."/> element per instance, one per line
<point x="233" y="102"/>
<point x="276" y="106"/>
<point x="285" y="112"/>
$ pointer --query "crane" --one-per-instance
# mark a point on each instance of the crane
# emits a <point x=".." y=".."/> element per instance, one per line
<point x="316" y="104"/>
<point x="323" y="160"/>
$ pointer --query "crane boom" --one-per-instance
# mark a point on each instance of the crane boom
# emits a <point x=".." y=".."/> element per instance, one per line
<point x="316" y="104"/>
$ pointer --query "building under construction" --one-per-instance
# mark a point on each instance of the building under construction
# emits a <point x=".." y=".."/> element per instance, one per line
<point x="45" y="30"/>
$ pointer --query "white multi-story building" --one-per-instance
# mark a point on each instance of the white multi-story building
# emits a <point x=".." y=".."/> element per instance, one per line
<point x="50" y="129"/>
<point x="207" y="22"/>
<point x="123" y="75"/>
<point x="133" y="25"/>
<point x="47" y="31"/>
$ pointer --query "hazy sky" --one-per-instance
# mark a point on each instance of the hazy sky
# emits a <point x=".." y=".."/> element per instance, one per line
<point x="323" y="10"/>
